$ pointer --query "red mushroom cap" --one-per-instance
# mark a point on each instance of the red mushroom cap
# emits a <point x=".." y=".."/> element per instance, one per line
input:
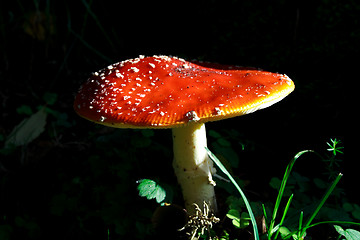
<point x="166" y="92"/>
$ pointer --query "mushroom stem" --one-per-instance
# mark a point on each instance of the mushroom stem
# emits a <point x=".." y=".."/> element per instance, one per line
<point x="192" y="166"/>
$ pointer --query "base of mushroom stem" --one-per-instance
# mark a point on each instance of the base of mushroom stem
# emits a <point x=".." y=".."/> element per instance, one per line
<point x="201" y="220"/>
<point x="197" y="191"/>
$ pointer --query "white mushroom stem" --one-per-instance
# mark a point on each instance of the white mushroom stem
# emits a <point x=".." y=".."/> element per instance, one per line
<point x="192" y="166"/>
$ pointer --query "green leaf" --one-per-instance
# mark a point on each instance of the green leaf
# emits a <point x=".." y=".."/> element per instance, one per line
<point x="245" y="220"/>
<point x="147" y="132"/>
<point x="275" y="183"/>
<point x="150" y="189"/>
<point x="302" y="181"/>
<point x="24" y="109"/>
<point x="5" y="231"/>
<point x="348" y="207"/>
<point x="227" y="152"/>
<point x="235" y="202"/>
<point x="238" y="221"/>
<point x="233" y="214"/>
<point x="50" y="98"/>
<point x="286" y="233"/>
<point x="223" y="142"/>
<point x="320" y="183"/>
<point x="349" y="234"/>
<point x="214" y="134"/>
<point x="140" y="142"/>
<point x="356" y="212"/>
<point x="29" y="129"/>
<point x="333" y="146"/>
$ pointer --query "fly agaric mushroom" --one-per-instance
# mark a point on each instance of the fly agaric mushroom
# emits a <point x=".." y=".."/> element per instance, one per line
<point x="169" y="92"/>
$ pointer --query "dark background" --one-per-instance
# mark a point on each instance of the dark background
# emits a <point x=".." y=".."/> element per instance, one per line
<point x="53" y="46"/>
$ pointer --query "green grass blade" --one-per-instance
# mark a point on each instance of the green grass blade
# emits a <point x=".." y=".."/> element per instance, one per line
<point x="282" y="188"/>
<point x="284" y="214"/>
<point x="327" y="194"/>
<point x="265" y="216"/>
<point x="301" y="222"/>
<point x="247" y="204"/>
<point x="319" y="223"/>
<point x="332" y="222"/>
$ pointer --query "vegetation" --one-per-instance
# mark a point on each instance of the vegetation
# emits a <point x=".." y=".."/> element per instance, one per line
<point x="241" y="212"/>
<point x="62" y="177"/>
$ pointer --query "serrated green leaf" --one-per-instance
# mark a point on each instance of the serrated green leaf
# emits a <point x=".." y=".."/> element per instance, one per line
<point x="150" y="189"/>
<point x="146" y="188"/>
<point x="160" y="194"/>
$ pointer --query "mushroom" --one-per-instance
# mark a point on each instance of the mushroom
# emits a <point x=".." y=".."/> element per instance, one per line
<point x="169" y="92"/>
